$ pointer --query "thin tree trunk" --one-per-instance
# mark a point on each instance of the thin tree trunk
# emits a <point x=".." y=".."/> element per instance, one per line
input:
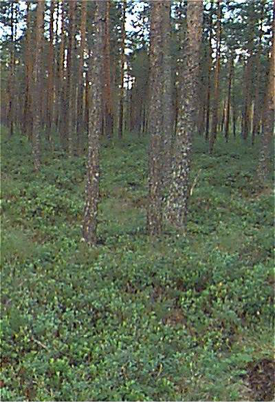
<point x="37" y="84"/>
<point x="11" y="114"/>
<point x="27" y="119"/>
<point x="154" y="211"/>
<point x="51" y="61"/>
<point x="80" y="108"/>
<point x="61" y="72"/>
<point x="268" y="117"/>
<point x="108" y="106"/>
<point x="215" y="116"/>
<point x="230" y="75"/>
<point x="70" y="76"/>
<point x="257" y="101"/>
<point x="208" y="99"/>
<point x="167" y="111"/>
<point x="122" y="62"/>
<point x="95" y="127"/>
<point x="177" y="205"/>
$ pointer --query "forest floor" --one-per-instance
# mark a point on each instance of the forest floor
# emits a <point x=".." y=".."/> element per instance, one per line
<point x="181" y="318"/>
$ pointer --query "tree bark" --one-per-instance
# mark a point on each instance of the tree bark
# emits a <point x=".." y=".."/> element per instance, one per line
<point x="167" y="106"/>
<point x="215" y="116"/>
<point x="122" y="62"/>
<point x="108" y="105"/>
<point x="51" y="61"/>
<point x="27" y="119"/>
<point x="80" y="108"/>
<point x="154" y="212"/>
<point x="177" y="205"/>
<point x="227" y="118"/>
<point x="268" y="117"/>
<point x="95" y="127"/>
<point x="37" y="84"/>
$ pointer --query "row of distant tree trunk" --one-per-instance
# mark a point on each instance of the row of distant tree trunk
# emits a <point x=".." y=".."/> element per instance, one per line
<point x="64" y="80"/>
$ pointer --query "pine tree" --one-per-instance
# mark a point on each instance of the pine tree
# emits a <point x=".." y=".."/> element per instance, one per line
<point x="154" y="212"/>
<point x="122" y="63"/>
<point x="95" y="129"/>
<point x="215" y="116"/>
<point x="269" y="109"/>
<point x="37" y="72"/>
<point x="180" y="187"/>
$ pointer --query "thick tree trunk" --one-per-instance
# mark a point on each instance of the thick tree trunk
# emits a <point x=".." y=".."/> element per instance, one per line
<point x="95" y="127"/>
<point x="215" y="116"/>
<point x="37" y="84"/>
<point x="177" y="204"/>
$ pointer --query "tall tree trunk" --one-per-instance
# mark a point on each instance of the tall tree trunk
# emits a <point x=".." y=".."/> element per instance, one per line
<point x="122" y="63"/>
<point x="227" y="119"/>
<point x="108" y="106"/>
<point x="70" y="76"/>
<point x="11" y="114"/>
<point x="268" y="117"/>
<point x="177" y="205"/>
<point x="167" y="111"/>
<point x="37" y="84"/>
<point x="27" y="119"/>
<point x="51" y="61"/>
<point x="208" y="98"/>
<point x="257" y="100"/>
<point x="215" y="116"/>
<point x="95" y="127"/>
<point x="154" y="211"/>
<point x="248" y="77"/>
<point x="80" y="108"/>
<point x="61" y="73"/>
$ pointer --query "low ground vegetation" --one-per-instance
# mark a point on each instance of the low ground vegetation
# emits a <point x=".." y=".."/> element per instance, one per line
<point x="187" y="317"/>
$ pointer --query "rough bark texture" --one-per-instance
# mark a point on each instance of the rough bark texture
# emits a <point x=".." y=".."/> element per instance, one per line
<point x="122" y="62"/>
<point x="167" y="92"/>
<point x="37" y="83"/>
<point x="215" y="116"/>
<point x="94" y="132"/>
<point x="268" y="118"/>
<point x="154" y="212"/>
<point x="179" y="190"/>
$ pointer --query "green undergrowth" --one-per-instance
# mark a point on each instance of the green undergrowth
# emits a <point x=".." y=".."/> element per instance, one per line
<point x="179" y="318"/>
